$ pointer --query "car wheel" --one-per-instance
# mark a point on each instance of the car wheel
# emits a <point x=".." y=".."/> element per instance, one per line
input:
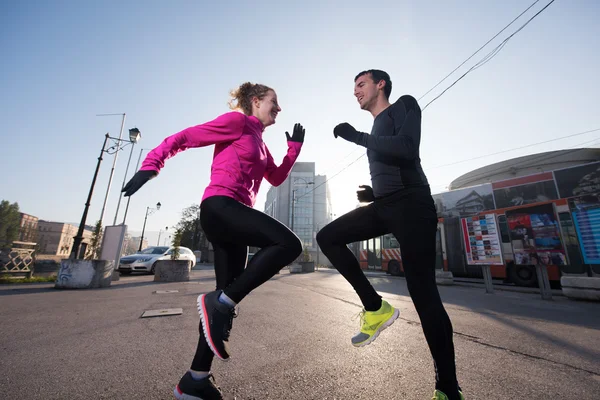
<point x="153" y="269"/>
<point x="190" y="264"/>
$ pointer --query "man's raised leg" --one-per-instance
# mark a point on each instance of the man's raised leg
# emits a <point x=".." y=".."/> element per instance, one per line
<point x="357" y="225"/>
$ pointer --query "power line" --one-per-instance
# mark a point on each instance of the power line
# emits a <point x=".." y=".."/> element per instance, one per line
<point x="358" y="148"/>
<point x="489" y="56"/>
<point x="472" y="55"/>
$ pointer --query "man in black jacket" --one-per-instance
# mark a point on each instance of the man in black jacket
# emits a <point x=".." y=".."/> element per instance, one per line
<point x="400" y="203"/>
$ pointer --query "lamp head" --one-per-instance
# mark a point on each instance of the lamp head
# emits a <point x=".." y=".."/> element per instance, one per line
<point x="135" y="135"/>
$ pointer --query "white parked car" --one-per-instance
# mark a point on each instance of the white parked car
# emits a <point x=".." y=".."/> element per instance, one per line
<point x="145" y="260"/>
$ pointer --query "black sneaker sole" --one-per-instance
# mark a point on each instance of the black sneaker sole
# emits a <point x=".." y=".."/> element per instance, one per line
<point x="206" y="327"/>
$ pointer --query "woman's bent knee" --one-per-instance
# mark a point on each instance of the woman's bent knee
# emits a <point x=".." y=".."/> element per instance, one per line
<point x="292" y="244"/>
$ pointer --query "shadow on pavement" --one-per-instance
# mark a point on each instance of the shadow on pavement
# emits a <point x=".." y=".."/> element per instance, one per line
<point x="10" y="291"/>
<point x="118" y="285"/>
<point x="590" y="355"/>
<point x="520" y="305"/>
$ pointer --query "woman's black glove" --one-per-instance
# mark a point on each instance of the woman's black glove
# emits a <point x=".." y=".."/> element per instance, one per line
<point x="137" y="181"/>
<point x="297" y="135"/>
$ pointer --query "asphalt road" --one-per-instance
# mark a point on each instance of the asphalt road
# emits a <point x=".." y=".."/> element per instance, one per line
<point x="291" y="341"/>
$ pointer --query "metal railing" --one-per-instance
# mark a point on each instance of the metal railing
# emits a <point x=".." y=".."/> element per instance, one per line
<point x="18" y="259"/>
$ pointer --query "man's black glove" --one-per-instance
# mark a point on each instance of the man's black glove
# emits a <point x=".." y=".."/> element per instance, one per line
<point x="297" y="135"/>
<point x="137" y="181"/>
<point x="347" y="131"/>
<point x="366" y="195"/>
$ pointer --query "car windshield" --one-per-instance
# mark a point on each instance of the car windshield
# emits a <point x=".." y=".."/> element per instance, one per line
<point x="154" y="250"/>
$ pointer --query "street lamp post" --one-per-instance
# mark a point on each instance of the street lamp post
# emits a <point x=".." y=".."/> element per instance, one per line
<point x="134" y="136"/>
<point x="145" y="219"/>
<point x="79" y="237"/>
<point x="113" y="165"/>
<point x="159" y="233"/>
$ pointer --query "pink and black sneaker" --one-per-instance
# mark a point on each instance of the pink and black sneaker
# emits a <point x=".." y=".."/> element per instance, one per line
<point x="216" y="319"/>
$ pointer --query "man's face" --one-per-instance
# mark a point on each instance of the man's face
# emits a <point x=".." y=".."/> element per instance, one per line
<point x="366" y="91"/>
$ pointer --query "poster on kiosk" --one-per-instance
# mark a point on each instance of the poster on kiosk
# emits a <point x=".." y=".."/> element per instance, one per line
<point x="482" y="243"/>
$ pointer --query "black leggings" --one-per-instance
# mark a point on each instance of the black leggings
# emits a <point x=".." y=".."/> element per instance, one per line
<point x="231" y="227"/>
<point x="410" y="216"/>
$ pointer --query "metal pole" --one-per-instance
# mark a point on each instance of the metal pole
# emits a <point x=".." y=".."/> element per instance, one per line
<point x="129" y="198"/>
<point x="159" y="234"/>
<point x="293" y="206"/>
<point x="144" y="229"/>
<point x="487" y="278"/>
<point x="544" y="282"/>
<point x="79" y="238"/>
<point x="124" y="183"/>
<point x="112" y="170"/>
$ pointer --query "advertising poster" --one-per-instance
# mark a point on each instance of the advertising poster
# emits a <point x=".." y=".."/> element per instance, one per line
<point x="464" y="202"/>
<point x="586" y="218"/>
<point x="578" y="181"/>
<point x="528" y="193"/>
<point x="482" y="243"/>
<point x="535" y="236"/>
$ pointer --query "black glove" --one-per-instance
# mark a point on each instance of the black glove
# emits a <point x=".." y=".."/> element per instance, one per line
<point x="297" y="135"/>
<point x="346" y="131"/>
<point x="366" y="195"/>
<point x="137" y="181"/>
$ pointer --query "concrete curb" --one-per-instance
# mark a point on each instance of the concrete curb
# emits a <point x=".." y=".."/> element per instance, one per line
<point x="581" y="287"/>
<point x="458" y="282"/>
<point x="444" y="277"/>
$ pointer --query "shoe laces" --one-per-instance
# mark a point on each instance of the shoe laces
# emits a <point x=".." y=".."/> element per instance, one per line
<point x="229" y="323"/>
<point x="360" y="315"/>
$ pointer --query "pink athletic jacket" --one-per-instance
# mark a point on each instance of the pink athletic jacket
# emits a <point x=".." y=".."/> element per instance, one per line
<point x="241" y="158"/>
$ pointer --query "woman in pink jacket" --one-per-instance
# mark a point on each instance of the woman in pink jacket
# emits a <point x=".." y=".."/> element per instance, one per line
<point x="241" y="160"/>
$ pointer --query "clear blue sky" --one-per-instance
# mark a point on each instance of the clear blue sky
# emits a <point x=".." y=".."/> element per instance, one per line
<point x="170" y="65"/>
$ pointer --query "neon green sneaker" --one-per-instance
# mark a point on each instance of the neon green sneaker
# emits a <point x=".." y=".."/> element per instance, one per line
<point x="373" y="322"/>
<point x="439" y="395"/>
